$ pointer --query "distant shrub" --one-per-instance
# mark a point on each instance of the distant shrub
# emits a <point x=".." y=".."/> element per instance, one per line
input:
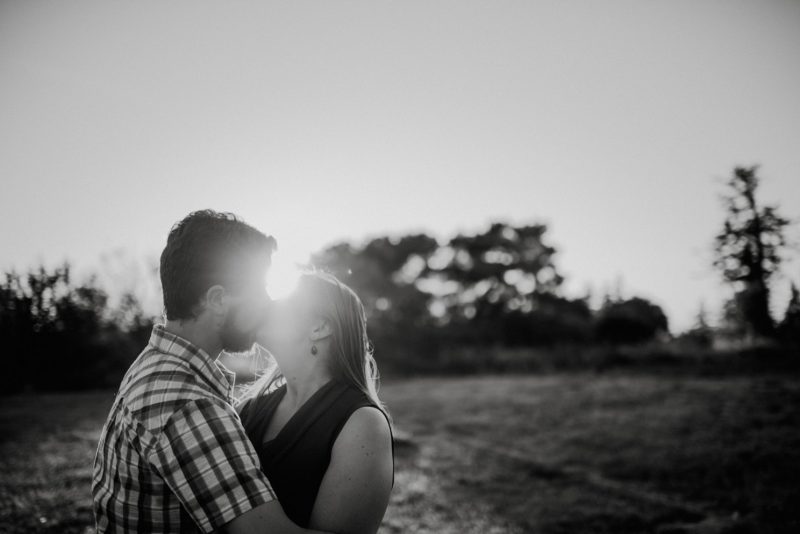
<point x="635" y="320"/>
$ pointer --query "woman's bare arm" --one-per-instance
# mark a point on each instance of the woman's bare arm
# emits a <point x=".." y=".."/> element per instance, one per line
<point x="355" y="489"/>
<point x="268" y="518"/>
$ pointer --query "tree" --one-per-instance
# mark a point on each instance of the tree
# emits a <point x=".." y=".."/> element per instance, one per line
<point x="789" y="328"/>
<point x="732" y="322"/>
<point x="383" y="273"/>
<point x="701" y="334"/>
<point x="748" y="250"/>
<point x="633" y="320"/>
<point x="501" y="286"/>
<point x="496" y="271"/>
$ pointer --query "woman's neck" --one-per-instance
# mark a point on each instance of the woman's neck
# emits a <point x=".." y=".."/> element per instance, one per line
<point x="302" y="384"/>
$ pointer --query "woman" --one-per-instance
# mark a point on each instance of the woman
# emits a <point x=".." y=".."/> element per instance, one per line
<point x="322" y="434"/>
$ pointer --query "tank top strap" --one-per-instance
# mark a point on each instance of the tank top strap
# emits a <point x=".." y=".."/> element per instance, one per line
<point x="352" y="400"/>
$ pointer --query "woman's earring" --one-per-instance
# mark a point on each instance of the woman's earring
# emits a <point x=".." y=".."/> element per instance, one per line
<point x="314" y="350"/>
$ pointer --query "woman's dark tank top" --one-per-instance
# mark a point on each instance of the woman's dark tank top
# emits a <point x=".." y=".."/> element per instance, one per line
<point x="296" y="459"/>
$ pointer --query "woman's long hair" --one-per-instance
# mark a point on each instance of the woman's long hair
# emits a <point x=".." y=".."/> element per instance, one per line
<point x="352" y="361"/>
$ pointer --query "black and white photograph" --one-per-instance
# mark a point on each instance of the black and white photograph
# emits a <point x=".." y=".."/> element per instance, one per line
<point x="384" y="267"/>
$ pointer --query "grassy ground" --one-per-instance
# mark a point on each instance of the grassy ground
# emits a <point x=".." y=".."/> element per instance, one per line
<point x="551" y="454"/>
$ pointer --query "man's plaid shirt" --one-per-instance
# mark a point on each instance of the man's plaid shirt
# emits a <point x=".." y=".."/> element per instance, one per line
<point x="173" y="456"/>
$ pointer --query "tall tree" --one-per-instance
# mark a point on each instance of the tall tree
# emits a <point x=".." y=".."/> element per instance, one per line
<point x="748" y="250"/>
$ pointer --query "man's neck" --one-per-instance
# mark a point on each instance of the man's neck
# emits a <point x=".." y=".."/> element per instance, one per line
<point x="197" y="334"/>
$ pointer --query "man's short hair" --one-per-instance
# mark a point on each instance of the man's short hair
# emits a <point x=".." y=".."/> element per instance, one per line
<point x="207" y="248"/>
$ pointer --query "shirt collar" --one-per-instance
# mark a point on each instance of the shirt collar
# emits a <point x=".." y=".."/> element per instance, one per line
<point x="207" y="369"/>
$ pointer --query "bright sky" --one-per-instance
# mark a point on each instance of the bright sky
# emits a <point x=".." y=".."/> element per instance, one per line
<point x="613" y="122"/>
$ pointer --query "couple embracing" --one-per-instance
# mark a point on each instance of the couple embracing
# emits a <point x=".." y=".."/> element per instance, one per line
<point x="306" y="447"/>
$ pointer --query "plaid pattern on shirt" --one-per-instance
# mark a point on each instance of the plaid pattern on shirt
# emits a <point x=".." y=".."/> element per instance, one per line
<point x="173" y="456"/>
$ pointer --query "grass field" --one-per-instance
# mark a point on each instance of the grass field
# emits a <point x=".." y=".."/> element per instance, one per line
<point x="552" y="454"/>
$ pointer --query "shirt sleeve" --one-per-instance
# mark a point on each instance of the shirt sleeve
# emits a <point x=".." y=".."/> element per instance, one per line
<point x="205" y="458"/>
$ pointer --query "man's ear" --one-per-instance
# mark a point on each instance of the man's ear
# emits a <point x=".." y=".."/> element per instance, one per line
<point x="321" y="330"/>
<point x="216" y="299"/>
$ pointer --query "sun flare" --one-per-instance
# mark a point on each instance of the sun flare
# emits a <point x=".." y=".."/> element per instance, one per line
<point x="282" y="277"/>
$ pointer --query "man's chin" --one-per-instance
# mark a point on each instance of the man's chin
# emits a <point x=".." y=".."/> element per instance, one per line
<point x="238" y="348"/>
<point x="239" y="343"/>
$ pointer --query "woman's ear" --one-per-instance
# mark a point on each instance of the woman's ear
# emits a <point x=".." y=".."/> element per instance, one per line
<point x="321" y="330"/>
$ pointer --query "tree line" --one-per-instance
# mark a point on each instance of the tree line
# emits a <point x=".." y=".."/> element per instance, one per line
<point x="425" y="300"/>
<point x="57" y="334"/>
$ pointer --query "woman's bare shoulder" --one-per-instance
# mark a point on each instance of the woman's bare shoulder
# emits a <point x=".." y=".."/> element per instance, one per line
<point x="366" y="425"/>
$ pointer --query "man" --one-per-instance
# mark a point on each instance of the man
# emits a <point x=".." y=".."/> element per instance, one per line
<point x="173" y="456"/>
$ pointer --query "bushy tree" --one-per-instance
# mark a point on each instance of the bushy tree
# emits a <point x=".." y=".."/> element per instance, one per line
<point x="496" y="271"/>
<point x="495" y="287"/>
<point x="501" y="286"/>
<point x="634" y="320"/>
<point x="553" y="320"/>
<point x="384" y="272"/>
